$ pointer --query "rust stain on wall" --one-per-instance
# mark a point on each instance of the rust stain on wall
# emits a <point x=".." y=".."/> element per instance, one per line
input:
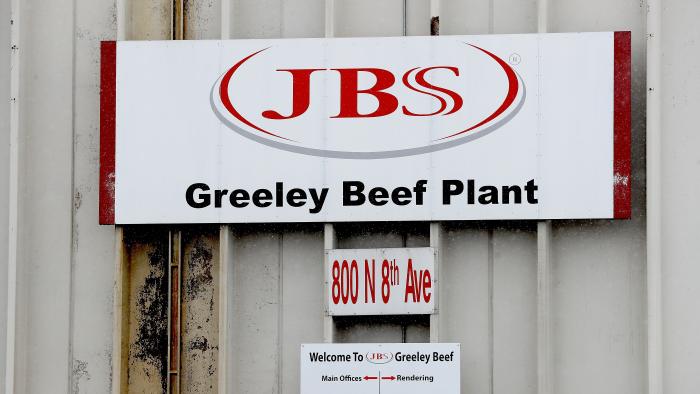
<point x="148" y="317"/>
<point x="199" y="265"/>
<point x="200" y="313"/>
<point x="149" y="292"/>
<point x="80" y="372"/>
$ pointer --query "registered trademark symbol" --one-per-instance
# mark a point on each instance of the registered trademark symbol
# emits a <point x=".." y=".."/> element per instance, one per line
<point x="514" y="59"/>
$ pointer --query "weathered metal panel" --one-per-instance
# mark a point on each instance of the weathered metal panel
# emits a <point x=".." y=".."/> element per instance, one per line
<point x="680" y="100"/>
<point x="301" y="308"/>
<point x="514" y="16"/>
<point x="598" y="293"/>
<point x="277" y="305"/>
<point x="93" y="245"/>
<point x="200" y="311"/>
<point x="382" y="235"/>
<point x="417" y="18"/>
<point x="366" y="18"/>
<point x="514" y="309"/>
<point x="303" y="18"/>
<point x="255" y="300"/>
<point x="488" y="16"/>
<point x="149" y="19"/>
<point x="277" y="18"/>
<point x="256" y="18"/>
<point x="4" y="177"/>
<point x="148" y="261"/>
<point x="464" y="309"/>
<point x="417" y="331"/>
<point x="599" y="267"/>
<point x="489" y="304"/>
<point x="465" y="16"/>
<point x="383" y="329"/>
<point x="45" y="178"/>
<point x="202" y="19"/>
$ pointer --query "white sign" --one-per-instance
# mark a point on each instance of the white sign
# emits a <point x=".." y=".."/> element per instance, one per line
<point x="381" y="281"/>
<point x="400" y="368"/>
<point x="366" y="129"/>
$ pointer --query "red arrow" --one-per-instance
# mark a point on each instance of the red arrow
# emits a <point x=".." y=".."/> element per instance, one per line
<point x="370" y="378"/>
<point x="388" y="377"/>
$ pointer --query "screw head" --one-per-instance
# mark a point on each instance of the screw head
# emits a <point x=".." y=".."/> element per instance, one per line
<point x="514" y="59"/>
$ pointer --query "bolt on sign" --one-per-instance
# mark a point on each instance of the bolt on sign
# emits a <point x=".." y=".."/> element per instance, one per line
<point x="403" y="368"/>
<point x="530" y="126"/>
<point x="393" y="281"/>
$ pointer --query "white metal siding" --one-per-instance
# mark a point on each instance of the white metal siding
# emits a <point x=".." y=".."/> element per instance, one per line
<point x="45" y="204"/>
<point x="4" y="175"/>
<point x="93" y="246"/>
<point x="680" y="188"/>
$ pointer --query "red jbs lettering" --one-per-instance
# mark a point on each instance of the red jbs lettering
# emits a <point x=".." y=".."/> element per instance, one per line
<point x="387" y="103"/>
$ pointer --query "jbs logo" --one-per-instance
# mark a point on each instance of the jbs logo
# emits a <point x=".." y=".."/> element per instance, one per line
<point x="367" y="103"/>
<point x="384" y="79"/>
<point x="379" y="358"/>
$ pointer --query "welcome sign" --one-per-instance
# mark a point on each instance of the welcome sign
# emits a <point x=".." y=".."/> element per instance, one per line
<point x="366" y="129"/>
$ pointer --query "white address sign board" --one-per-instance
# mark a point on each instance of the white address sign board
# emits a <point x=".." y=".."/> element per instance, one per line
<point x="399" y="368"/>
<point x="366" y="129"/>
<point x="392" y="281"/>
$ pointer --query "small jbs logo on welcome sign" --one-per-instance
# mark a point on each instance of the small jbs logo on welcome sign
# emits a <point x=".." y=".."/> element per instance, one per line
<point x="313" y="100"/>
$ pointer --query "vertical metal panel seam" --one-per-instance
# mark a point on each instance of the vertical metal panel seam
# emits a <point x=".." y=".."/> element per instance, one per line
<point x="225" y="251"/>
<point x="280" y="311"/>
<point x="434" y="17"/>
<point x="405" y="18"/>
<point x="330" y="241"/>
<point x="121" y="19"/>
<point x="170" y="306"/>
<point x="434" y="8"/>
<point x="542" y="16"/>
<point x="330" y="18"/>
<point x="282" y="19"/>
<point x="119" y="285"/>
<point x="117" y="312"/>
<point x="13" y="217"/>
<point x="655" y="329"/>
<point x="226" y="19"/>
<point x="174" y="236"/>
<point x="436" y="227"/>
<point x="492" y="334"/>
<point x="544" y="266"/>
<point x="178" y="21"/>
<point x="72" y="208"/>
<point x="544" y="310"/>
<point x="436" y="235"/>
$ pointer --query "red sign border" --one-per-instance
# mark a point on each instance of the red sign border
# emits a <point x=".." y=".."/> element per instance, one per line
<point x="622" y="140"/>
<point x="108" y="112"/>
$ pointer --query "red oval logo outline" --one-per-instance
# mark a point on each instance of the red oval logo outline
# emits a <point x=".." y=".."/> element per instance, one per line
<point x="514" y="82"/>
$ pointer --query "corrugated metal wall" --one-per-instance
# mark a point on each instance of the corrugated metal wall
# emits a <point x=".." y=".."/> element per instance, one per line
<point x="4" y="175"/>
<point x="66" y="262"/>
<point x="679" y="89"/>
